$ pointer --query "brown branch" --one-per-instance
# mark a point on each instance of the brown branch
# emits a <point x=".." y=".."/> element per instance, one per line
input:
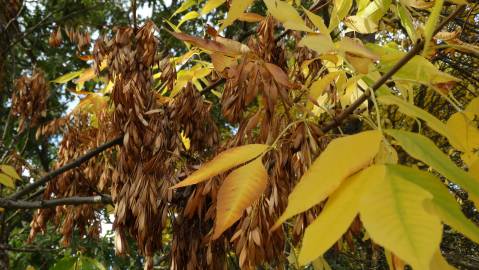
<point x="28" y="249"/>
<point x="75" y="200"/>
<point x="133" y="11"/>
<point x="413" y="52"/>
<point x="71" y="165"/>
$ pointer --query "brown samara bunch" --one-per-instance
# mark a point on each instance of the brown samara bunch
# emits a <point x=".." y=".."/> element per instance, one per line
<point x="151" y="145"/>
<point x="29" y="100"/>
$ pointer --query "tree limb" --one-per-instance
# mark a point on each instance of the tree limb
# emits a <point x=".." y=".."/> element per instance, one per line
<point x="75" y="200"/>
<point x="413" y="52"/>
<point x="71" y="165"/>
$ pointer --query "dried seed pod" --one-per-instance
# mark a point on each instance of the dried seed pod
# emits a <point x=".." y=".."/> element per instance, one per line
<point x="55" y="38"/>
<point x="29" y="100"/>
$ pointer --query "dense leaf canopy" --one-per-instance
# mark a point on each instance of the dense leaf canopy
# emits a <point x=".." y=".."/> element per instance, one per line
<point x="239" y="134"/>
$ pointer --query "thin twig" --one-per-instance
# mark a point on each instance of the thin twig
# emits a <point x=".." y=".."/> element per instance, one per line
<point x="75" y="200"/>
<point x="71" y="165"/>
<point x="413" y="52"/>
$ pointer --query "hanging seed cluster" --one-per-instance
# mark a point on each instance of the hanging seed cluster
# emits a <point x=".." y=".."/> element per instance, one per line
<point x="80" y="38"/>
<point x="192" y="112"/>
<point x="29" y="100"/>
<point x="168" y="72"/>
<point x="89" y="179"/>
<point x="257" y="73"/>
<point x="151" y="146"/>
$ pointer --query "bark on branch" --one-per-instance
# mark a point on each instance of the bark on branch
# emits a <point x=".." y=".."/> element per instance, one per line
<point x="71" y="165"/>
<point x="75" y="200"/>
<point x="413" y="52"/>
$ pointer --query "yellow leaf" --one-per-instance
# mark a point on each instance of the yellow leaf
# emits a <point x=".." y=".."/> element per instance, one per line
<point x="318" y="22"/>
<point x="375" y="10"/>
<point x="431" y="23"/>
<point x="68" y="77"/>
<point x="386" y="154"/>
<point x="361" y="24"/>
<point x="424" y="149"/>
<point x="210" y="5"/>
<point x="406" y="21"/>
<point x="185" y="140"/>
<point x="334" y="219"/>
<point x="460" y="124"/>
<point x="340" y="11"/>
<point x="10" y="171"/>
<point x="328" y="171"/>
<point x="286" y="14"/>
<point x="223" y="162"/>
<point x="6" y="181"/>
<point x="239" y="190"/>
<point x="418" y="69"/>
<point x="318" y="86"/>
<point x="392" y="211"/>
<point x="444" y="203"/>
<point x="237" y="8"/>
<point x="418" y="3"/>
<point x="355" y="47"/>
<point x="360" y="64"/>
<point x="184" y="6"/>
<point x="473" y="106"/>
<point x="320" y="43"/>
<point x="86" y="75"/>
<point x="414" y="111"/>
<point x="188" y="16"/>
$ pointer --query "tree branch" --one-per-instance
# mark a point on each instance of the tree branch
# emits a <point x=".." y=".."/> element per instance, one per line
<point x="71" y="165"/>
<point x="75" y="200"/>
<point x="28" y="249"/>
<point x="413" y="52"/>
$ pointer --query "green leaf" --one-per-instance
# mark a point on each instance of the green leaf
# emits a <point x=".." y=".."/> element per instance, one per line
<point x="6" y="181"/>
<point x="330" y="169"/>
<point x="223" y="162"/>
<point x="423" y="149"/>
<point x="414" y="111"/>
<point x="431" y="23"/>
<point x="446" y="207"/>
<point x="87" y="263"/>
<point x="10" y="171"/>
<point x="393" y="212"/>
<point x="418" y="69"/>
<point x="406" y="21"/>
<point x="68" y="77"/>
<point x="334" y="219"/>
<point x="67" y="263"/>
